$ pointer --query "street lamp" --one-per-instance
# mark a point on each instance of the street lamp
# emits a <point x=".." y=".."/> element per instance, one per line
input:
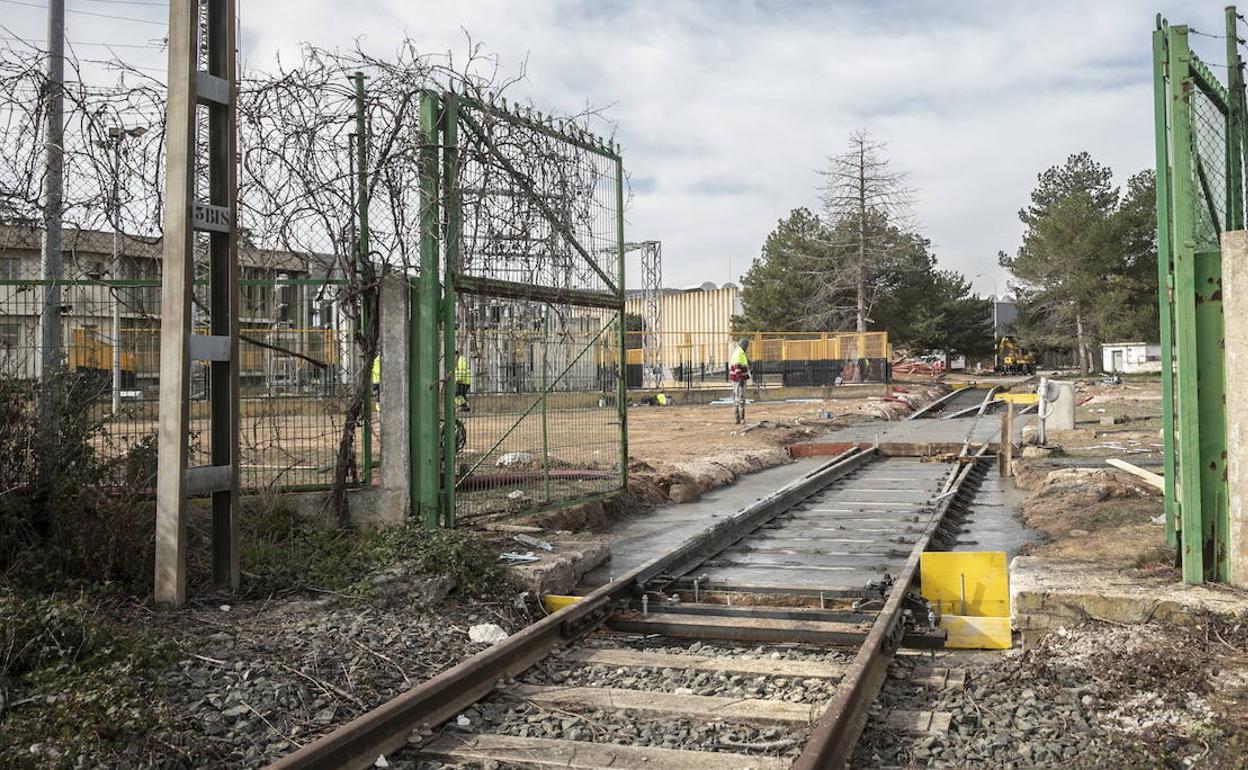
<point x="116" y="135"/>
<point x="995" y="299"/>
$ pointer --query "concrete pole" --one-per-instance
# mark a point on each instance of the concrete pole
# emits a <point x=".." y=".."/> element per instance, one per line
<point x="394" y="402"/>
<point x="1235" y="310"/>
<point x="53" y="195"/>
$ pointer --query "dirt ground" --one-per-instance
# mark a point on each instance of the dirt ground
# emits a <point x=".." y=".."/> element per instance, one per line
<point x="1088" y="510"/>
<point x="686" y="450"/>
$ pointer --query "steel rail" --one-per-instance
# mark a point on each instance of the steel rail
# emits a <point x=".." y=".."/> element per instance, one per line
<point x="938" y="404"/>
<point x="358" y="743"/>
<point x="836" y="733"/>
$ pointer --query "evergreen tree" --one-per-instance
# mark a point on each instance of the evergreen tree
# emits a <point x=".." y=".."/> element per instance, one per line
<point x="776" y="292"/>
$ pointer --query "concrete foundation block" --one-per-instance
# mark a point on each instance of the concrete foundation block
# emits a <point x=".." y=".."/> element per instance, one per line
<point x="1049" y="593"/>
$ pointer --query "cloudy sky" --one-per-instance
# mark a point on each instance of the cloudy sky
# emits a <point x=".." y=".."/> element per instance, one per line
<point x="725" y="109"/>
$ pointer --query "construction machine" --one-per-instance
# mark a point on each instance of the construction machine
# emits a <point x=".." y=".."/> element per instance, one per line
<point x="1012" y="358"/>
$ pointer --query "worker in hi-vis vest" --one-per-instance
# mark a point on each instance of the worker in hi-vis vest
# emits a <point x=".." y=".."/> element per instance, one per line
<point x="377" y="381"/>
<point x="463" y="382"/>
<point x="738" y="375"/>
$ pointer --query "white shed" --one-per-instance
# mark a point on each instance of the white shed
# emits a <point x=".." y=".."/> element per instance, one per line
<point x="1131" y="357"/>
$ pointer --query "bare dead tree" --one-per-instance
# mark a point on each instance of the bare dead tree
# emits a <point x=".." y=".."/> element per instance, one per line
<point x="526" y="195"/>
<point x="862" y="196"/>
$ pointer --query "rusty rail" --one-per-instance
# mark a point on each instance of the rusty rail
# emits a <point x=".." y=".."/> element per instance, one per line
<point x="832" y="742"/>
<point x="358" y="743"/>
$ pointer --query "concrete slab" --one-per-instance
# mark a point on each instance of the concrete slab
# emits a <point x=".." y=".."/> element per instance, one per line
<point x="874" y="503"/>
<point x="937" y="434"/>
<point x="1048" y="593"/>
<point x="638" y="539"/>
<point x="993" y="523"/>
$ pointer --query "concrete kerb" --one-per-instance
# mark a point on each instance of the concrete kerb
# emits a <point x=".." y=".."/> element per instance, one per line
<point x="1046" y="594"/>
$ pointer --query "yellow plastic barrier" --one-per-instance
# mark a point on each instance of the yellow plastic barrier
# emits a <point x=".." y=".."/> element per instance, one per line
<point x="1022" y="399"/>
<point x="554" y="602"/>
<point x="971" y="590"/>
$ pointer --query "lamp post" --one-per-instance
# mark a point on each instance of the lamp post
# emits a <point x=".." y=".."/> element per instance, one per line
<point x="116" y="135"/>
<point x="995" y="299"/>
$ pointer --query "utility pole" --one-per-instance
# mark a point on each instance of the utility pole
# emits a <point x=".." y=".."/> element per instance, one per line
<point x="53" y="178"/>
<point x="116" y="135"/>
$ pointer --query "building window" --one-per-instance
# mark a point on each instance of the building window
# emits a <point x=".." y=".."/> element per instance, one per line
<point x="10" y="269"/>
<point x="10" y="335"/>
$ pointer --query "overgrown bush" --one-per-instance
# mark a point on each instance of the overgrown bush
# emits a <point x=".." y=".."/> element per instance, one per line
<point x="282" y="551"/>
<point x="73" y="504"/>
<point x="86" y="680"/>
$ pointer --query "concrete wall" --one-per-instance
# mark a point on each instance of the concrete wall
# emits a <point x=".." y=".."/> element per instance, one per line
<point x="1235" y="308"/>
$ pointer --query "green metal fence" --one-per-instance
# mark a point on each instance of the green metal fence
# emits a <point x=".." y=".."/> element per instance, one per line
<point x="297" y="363"/>
<point x="1200" y="144"/>
<point x="533" y="298"/>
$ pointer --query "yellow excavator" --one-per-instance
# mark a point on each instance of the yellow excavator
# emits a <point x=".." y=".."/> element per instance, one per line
<point x="1012" y="358"/>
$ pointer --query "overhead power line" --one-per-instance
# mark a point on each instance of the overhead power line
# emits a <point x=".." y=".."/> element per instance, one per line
<point x="90" y="13"/>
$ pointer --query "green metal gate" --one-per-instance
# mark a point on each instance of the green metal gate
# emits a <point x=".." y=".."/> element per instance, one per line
<point x="526" y="215"/>
<point x="1200" y="144"/>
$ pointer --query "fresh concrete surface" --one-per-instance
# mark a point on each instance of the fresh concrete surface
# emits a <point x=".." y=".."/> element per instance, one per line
<point x="638" y="539"/>
<point x="978" y="430"/>
<point x="993" y="523"/>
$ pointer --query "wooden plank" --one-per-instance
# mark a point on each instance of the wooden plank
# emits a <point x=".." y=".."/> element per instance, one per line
<point x="938" y="677"/>
<point x="797" y="669"/>
<point x="582" y="755"/>
<point x="913" y="722"/>
<point x="740" y="629"/>
<point x="1155" y="479"/>
<point x="707" y="707"/>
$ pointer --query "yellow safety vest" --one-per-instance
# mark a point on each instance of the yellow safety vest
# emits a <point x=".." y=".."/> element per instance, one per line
<point x="738" y="357"/>
<point x="376" y="369"/>
<point x="463" y="372"/>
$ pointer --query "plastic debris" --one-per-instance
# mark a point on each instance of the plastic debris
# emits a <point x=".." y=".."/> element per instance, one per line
<point x="530" y="540"/>
<point x="513" y="557"/>
<point x="513" y="459"/>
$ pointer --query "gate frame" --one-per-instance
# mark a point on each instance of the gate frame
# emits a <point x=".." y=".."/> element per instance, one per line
<point x="433" y="477"/>
<point x="1190" y="296"/>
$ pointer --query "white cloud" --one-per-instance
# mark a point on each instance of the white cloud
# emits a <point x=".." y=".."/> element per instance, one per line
<point x="725" y="109"/>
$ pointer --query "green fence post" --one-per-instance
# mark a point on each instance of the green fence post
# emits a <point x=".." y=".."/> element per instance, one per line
<point x="1187" y="403"/>
<point x="425" y="455"/>
<point x="1234" y="126"/>
<point x="1164" y="299"/>
<point x="622" y="384"/>
<point x="451" y="239"/>
<point x="362" y="254"/>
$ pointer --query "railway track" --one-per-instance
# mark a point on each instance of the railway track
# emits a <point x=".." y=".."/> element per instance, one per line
<point x="963" y="402"/>
<point x="760" y="643"/>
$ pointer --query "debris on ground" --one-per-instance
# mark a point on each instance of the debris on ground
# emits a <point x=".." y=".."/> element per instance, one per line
<point x="487" y="633"/>
<point x="1095" y="695"/>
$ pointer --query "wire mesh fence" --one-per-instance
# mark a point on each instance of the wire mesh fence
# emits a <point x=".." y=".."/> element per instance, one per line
<point x="295" y="363"/>
<point x="330" y="196"/>
<point x="539" y="312"/>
